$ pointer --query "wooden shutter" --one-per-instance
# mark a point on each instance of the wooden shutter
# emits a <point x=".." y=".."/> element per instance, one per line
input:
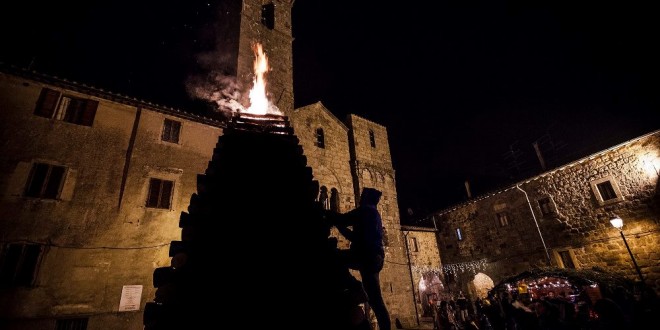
<point x="47" y="103"/>
<point x="154" y="193"/>
<point x="89" y="113"/>
<point x="166" y="194"/>
<point x="176" y="127"/>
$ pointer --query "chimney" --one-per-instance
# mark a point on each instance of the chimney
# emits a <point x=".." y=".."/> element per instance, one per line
<point x="467" y="189"/>
<point x="538" y="154"/>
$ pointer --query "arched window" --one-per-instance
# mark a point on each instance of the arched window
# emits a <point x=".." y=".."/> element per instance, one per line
<point x="323" y="198"/>
<point x="334" y="200"/>
<point x="268" y="15"/>
<point x="320" y="138"/>
<point x="372" y="138"/>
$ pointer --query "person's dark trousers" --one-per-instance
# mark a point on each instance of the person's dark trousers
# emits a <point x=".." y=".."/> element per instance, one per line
<point x="371" y="283"/>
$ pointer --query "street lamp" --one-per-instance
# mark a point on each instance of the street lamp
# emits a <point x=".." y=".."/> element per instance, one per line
<point x="617" y="223"/>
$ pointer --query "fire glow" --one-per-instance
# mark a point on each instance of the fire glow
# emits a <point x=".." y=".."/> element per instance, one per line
<point x="259" y="103"/>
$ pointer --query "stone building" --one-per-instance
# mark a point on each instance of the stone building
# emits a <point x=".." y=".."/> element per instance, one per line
<point x="93" y="183"/>
<point x="561" y="218"/>
<point x="425" y="267"/>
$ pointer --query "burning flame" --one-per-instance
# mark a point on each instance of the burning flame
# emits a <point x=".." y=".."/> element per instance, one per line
<point x="259" y="103"/>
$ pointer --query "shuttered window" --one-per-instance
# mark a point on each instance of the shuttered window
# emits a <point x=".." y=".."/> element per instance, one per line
<point x="45" y="181"/>
<point x="52" y="104"/>
<point x="160" y="193"/>
<point x="19" y="264"/>
<point x="171" y="129"/>
<point x="72" y="324"/>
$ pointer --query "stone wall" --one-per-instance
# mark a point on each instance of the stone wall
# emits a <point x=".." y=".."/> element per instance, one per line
<point x="372" y="167"/>
<point x="331" y="163"/>
<point x="278" y="47"/>
<point x="97" y="234"/>
<point x="572" y="214"/>
<point x="424" y="261"/>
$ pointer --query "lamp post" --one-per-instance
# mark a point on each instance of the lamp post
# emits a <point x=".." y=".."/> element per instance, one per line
<point x="618" y="224"/>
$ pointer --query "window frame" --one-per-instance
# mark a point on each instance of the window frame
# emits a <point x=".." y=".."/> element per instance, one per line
<point x="595" y="188"/>
<point x="320" y="138"/>
<point x="171" y="132"/>
<point x="268" y="15"/>
<point x="372" y="138"/>
<point x="53" y="104"/>
<point x="334" y="200"/>
<point x="19" y="275"/>
<point x="47" y="190"/>
<point x="324" y="198"/>
<point x="549" y="204"/>
<point x="565" y="254"/>
<point x="503" y="216"/>
<point x="160" y="194"/>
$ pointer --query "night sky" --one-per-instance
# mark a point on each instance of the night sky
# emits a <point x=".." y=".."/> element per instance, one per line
<point x="464" y="87"/>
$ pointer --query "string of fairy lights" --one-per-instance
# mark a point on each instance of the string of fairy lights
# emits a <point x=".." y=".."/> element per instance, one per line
<point x="421" y="270"/>
<point x="461" y="267"/>
<point x="455" y="269"/>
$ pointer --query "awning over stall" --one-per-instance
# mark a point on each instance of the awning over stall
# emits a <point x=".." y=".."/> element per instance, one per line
<point x="542" y="282"/>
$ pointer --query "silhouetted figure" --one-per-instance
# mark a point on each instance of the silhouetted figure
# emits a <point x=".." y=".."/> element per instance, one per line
<point x="610" y="315"/>
<point x="462" y="304"/>
<point x="646" y="308"/>
<point x="366" y="252"/>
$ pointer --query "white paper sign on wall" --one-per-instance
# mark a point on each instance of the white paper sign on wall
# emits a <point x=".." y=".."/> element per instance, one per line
<point x="131" y="296"/>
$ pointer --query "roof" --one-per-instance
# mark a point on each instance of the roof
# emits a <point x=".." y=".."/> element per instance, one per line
<point x="415" y="228"/>
<point x="559" y="168"/>
<point x="320" y="105"/>
<point x="581" y="277"/>
<point x="104" y="94"/>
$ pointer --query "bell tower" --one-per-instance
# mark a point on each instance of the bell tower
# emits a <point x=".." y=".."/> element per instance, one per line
<point x="245" y="22"/>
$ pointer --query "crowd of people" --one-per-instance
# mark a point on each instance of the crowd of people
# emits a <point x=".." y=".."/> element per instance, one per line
<point x="513" y="311"/>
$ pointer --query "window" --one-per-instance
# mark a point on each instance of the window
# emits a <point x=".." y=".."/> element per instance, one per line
<point x="372" y="139"/>
<point x="606" y="191"/>
<point x="413" y="244"/>
<point x="52" y="104"/>
<point x="565" y="258"/>
<point x="160" y="193"/>
<point x="323" y="198"/>
<point x="503" y="219"/>
<point x="547" y="206"/>
<point x="19" y="264"/>
<point x="334" y="200"/>
<point x="45" y="181"/>
<point x="171" y="129"/>
<point x="268" y="15"/>
<point x="459" y="235"/>
<point x="72" y="324"/>
<point x="320" y="138"/>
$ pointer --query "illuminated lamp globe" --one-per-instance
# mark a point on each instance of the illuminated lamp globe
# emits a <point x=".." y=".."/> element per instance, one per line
<point x="617" y="222"/>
